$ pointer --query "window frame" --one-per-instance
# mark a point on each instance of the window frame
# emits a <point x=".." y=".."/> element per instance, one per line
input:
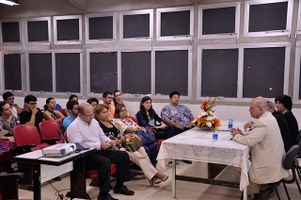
<point x="297" y="74"/>
<point x="20" y="32"/>
<point x="217" y="6"/>
<point x="87" y="32"/>
<point x="240" y="81"/>
<point x="174" y="9"/>
<point x="66" y="17"/>
<point x="287" y="31"/>
<point x="48" y="19"/>
<point x="53" y="68"/>
<point x="137" y="12"/>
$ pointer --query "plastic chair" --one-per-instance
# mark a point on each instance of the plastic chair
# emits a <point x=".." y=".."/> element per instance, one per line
<point x="51" y="132"/>
<point x="289" y="163"/>
<point x="27" y="138"/>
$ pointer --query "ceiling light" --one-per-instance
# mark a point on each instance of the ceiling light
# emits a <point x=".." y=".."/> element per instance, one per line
<point x="10" y="2"/>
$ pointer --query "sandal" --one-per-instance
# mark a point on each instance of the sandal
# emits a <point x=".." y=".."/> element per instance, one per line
<point x="154" y="181"/>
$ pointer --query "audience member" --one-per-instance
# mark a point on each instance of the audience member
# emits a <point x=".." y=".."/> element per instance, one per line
<point x="73" y="97"/>
<point x="284" y="129"/>
<point x="31" y="115"/>
<point x="265" y="142"/>
<point x="7" y="119"/>
<point x="284" y="104"/>
<point x="72" y="107"/>
<point x="107" y="98"/>
<point x="138" y="157"/>
<point x="10" y="99"/>
<point x="93" y="101"/>
<point x="125" y="124"/>
<point x="176" y="115"/>
<point x="50" y="113"/>
<point x="119" y="100"/>
<point x="86" y="129"/>
<point x="148" y="118"/>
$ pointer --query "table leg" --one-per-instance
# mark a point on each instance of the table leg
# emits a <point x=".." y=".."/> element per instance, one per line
<point x="78" y="180"/>
<point x="36" y="181"/>
<point x="173" y="176"/>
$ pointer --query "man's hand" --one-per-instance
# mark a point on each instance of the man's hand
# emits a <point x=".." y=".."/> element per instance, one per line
<point x="105" y="145"/>
<point x="235" y="131"/>
<point x="34" y="110"/>
<point x="248" y="125"/>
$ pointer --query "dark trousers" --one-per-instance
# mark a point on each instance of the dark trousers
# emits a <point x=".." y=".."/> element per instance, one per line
<point x="152" y="152"/>
<point x="101" y="161"/>
<point x="165" y="133"/>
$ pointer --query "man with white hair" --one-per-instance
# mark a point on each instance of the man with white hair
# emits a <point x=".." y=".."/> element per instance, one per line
<point x="264" y="140"/>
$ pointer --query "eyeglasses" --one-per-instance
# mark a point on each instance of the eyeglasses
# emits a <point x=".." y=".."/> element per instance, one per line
<point x="33" y="103"/>
<point x="11" y="98"/>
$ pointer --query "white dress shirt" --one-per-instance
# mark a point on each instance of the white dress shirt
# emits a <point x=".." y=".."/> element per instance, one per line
<point x="91" y="134"/>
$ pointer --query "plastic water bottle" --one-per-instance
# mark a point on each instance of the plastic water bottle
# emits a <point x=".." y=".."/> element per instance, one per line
<point x="214" y="136"/>
<point x="230" y="124"/>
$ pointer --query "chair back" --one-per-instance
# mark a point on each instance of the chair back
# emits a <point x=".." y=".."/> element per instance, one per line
<point x="289" y="160"/>
<point x="26" y="134"/>
<point x="50" y="130"/>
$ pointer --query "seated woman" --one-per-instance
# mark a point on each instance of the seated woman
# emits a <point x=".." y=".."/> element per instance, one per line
<point x="148" y="118"/>
<point x="7" y="122"/>
<point x="139" y="157"/>
<point x="50" y="113"/>
<point x="119" y="100"/>
<point x="125" y="124"/>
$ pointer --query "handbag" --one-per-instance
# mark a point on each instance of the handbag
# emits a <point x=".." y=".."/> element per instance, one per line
<point x="146" y="137"/>
<point x="132" y="142"/>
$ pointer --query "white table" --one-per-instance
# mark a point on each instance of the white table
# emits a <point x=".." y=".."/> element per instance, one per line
<point x="45" y="168"/>
<point x="197" y="145"/>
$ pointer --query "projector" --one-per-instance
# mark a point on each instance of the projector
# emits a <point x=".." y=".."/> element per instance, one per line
<point x="59" y="150"/>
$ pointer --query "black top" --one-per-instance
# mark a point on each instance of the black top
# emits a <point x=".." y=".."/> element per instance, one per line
<point x="109" y="132"/>
<point x="293" y="126"/>
<point x="25" y="117"/>
<point x="284" y="129"/>
<point x="144" y="121"/>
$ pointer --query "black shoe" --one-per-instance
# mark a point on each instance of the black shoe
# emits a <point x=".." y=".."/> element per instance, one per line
<point x="106" y="197"/>
<point x="187" y="161"/>
<point x="123" y="190"/>
<point x="264" y="194"/>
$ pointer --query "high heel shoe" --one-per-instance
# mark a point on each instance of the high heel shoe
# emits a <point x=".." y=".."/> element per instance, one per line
<point x="154" y="181"/>
<point x="164" y="178"/>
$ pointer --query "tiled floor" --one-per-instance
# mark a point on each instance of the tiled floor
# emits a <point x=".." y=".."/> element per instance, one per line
<point x="185" y="190"/>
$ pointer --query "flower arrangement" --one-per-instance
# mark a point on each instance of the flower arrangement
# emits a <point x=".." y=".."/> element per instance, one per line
<point x="207" y="118"/>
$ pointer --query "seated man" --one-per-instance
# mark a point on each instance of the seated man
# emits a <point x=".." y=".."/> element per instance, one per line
<point x="31" y="115"/>
<point x="10" y="99"/>
<point x="86" y="129"/>
<point x="176" y="115"/>
<point x="265" y="142"/>
<point x="72" y="107"/>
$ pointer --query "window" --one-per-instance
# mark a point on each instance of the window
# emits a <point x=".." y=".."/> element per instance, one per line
<point x="175" y="23"/>
<point x="40" y="72"/>
<point x="136" y="72"/>
<point x="100" y="27"/>
<point x="172" y="71"/>
<point x="136" y="24"/>
<point x="264" y="71"/>
<point x="12" y="72"/>
<point x="10" y="31"/>
<point x="102" y="67"/>
<point x="219" y="74"/>
<point x="67" y="29"/>
<point x="38" y="30"/>
<point x="297" y="73"/>
<point x="268" y="17"/>
<point x="219" y="20"/>
<point x="68" y="72"/>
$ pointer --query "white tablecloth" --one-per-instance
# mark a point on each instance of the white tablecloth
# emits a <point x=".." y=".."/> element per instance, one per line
<point x="197" y="145"/>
